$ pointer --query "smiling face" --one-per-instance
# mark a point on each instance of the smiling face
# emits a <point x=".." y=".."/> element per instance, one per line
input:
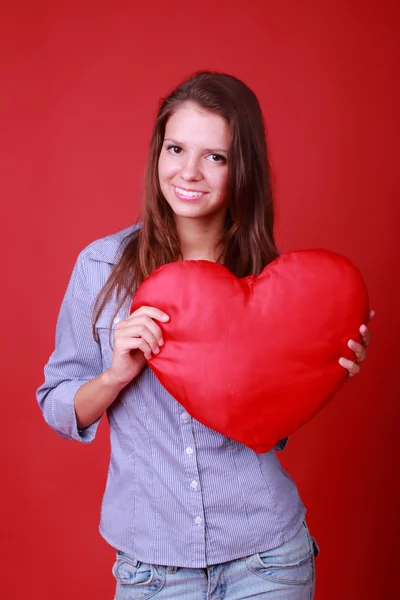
<point x="192" y="166"/>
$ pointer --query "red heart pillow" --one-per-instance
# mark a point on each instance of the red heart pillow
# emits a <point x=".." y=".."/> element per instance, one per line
<point x="256" y="358"/>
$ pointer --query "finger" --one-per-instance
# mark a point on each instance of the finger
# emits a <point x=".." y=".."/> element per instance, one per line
<point x="358" y="350"/>
<point x="366" y="336"/>
<point x="128" y="344"/>
<point x="147" y="322"/>
<point x="371" y="314"/>
<point x="152" y="341"/>
<point x="152" y="312"/>
<point x="145" y="348"/>
<point x="129" y="334"/>
<point x="351" y="366"/>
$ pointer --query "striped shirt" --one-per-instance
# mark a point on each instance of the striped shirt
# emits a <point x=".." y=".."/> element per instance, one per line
<point x="177" y="492"/>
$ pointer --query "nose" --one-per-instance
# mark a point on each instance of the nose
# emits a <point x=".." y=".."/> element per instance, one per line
<point x="190" y="170"/>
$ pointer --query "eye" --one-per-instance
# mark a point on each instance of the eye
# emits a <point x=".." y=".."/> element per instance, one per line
<point x="219" y="158"/>
<point x="174" y="148"/>
<point x="215" y="158"/>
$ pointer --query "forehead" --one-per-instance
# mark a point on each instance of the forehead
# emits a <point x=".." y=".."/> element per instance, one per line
<point x="192" y="123"/>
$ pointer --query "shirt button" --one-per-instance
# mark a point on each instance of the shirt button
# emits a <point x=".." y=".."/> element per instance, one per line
<point x="194" y="484"/>
<point x="197" y="520"/>
<point x="116" y="320"/>
<point x="189" y="450"/>
<point x="185" y="417"/>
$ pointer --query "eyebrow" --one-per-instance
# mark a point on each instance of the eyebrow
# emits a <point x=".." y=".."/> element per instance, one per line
<point x="204" y="149"/>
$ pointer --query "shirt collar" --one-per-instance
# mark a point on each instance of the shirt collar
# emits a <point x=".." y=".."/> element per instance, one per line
<point x="106" y="249"/>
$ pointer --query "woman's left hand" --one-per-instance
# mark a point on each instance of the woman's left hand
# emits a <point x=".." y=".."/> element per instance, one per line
<point x="358" y="349"/>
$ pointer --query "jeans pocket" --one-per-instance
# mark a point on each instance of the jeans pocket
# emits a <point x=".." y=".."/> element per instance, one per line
<point x="291" y="563"/>
<point x="143" y="580"/>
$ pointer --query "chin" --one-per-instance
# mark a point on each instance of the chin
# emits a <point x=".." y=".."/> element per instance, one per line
<point x="190" y="212"/>
<point x="185" y="209"/>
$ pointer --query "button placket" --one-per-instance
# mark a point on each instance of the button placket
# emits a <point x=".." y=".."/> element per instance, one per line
<point x="185" y="417"/>
<point x="195" y="500"/>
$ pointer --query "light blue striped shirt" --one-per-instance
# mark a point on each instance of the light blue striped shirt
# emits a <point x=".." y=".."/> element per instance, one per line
<point x="177" y="492"/>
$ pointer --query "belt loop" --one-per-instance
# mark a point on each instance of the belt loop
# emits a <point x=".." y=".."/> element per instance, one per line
<point x="172" y="569"/>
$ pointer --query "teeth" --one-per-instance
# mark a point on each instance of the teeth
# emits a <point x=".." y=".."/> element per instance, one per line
<point x="188" y="194"/>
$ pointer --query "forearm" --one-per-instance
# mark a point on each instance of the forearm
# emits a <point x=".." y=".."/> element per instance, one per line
<point x="94" y="397"/>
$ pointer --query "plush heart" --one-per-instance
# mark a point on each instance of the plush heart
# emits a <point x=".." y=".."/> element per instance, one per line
<point x="256" y="358"/>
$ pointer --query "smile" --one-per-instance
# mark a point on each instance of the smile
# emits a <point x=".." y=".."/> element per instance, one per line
<point x="181" y="193"/>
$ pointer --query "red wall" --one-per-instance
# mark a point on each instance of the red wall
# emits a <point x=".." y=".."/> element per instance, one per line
<point x="80" y="86"/>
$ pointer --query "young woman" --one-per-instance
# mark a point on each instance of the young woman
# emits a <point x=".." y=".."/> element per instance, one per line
<point x="191" y="513"/>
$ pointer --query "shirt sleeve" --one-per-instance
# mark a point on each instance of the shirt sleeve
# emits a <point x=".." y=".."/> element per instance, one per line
<point x="75" y="360"/>
<point x="281" y="445"/>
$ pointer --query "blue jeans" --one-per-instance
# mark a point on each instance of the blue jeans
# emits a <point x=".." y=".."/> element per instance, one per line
<point x="283" y="573"/>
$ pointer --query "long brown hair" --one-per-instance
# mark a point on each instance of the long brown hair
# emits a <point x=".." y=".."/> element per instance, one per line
<point x="247" y="244"/>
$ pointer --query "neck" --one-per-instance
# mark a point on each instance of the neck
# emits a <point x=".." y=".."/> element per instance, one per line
<point x="199" y="238"/>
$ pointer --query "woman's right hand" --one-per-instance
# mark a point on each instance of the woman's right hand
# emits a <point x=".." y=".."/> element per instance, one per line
<point x="136" y="339"/>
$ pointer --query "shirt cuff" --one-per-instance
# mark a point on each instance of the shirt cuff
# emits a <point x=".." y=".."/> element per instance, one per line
<point x="63" y="418"/>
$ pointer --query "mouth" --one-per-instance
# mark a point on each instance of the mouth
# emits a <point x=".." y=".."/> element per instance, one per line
<point x="188" y="195"/>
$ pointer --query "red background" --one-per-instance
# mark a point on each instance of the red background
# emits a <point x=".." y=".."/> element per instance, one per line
<point x="79" y="90"/>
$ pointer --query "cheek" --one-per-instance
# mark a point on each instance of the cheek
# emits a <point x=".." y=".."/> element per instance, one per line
<point x="221" y="183"/>
<point x="165" y="169"/>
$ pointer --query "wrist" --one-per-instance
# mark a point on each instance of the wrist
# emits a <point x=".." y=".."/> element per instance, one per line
<point x="113" y="384"/>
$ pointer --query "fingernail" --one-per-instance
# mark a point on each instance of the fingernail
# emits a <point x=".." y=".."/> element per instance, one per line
<point x="165" y="318"/>
<point x="342" y="362"/>
<point x="161" y="342"/>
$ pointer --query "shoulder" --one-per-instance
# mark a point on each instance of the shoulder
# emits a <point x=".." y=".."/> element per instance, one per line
<point x="106" y="249"/>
